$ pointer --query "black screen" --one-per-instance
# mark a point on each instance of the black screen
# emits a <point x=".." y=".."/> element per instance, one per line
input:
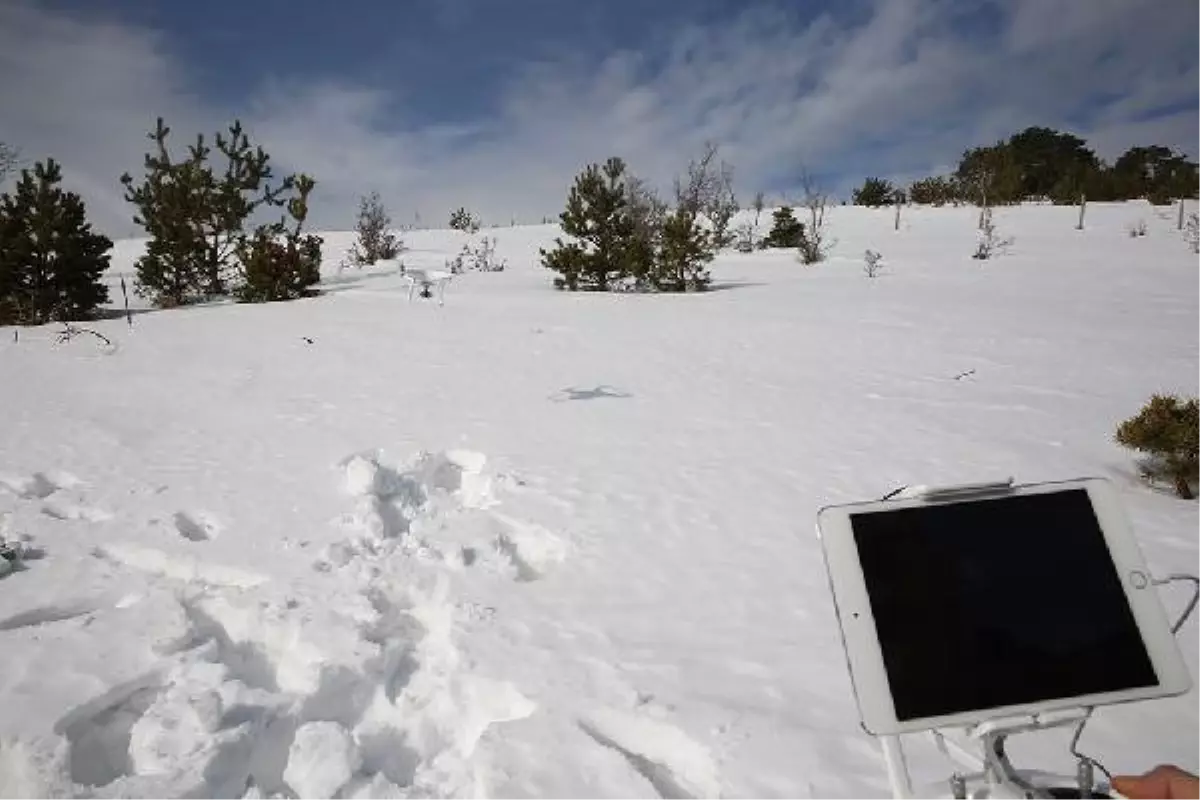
<point x="997" y="602"/>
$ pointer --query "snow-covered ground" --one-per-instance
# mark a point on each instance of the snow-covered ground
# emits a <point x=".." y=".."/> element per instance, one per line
<point x="534" y="543"/>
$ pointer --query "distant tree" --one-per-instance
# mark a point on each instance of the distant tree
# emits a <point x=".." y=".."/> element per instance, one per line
<point x="196" y="216"/>
<point x="813" y="244"/>
<point x="708" y="190"/>
<point x="786" y="230"/>
<point x="463" y="220"/>
<point x="990" y="176"/>
<point x="1156" y="173"/>
<point x="935" y="191"/>
<point x="1166" y="429"/>
<point x="875" y="192"/>
<point x="375" y="242"/>
<point x="9" y="159"/>
<point x="600" y="223"/>
<point x="51" y="262"/>
<point x="1045" y="157"/>
<point x="758" y="205"/>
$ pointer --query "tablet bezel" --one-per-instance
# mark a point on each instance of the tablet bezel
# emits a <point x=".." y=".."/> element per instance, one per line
<point x="864" y="653"/>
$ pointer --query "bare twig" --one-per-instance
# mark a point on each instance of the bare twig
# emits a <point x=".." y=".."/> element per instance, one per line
<point x="70" y="331"/>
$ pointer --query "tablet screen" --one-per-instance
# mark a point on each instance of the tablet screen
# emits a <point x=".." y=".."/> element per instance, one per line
<point x="997" y="602"/>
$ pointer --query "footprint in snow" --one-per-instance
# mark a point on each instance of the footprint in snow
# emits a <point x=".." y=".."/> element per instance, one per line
<point x="196" y="527"/>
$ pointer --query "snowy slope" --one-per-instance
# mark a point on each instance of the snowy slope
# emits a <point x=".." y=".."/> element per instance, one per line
<point x="533" y="543"/>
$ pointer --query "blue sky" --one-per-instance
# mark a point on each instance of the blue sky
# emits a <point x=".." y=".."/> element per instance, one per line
<point x="496" y="104"/>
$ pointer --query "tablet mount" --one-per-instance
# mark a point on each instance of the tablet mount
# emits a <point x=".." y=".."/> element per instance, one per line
<point x="991" y="774"/>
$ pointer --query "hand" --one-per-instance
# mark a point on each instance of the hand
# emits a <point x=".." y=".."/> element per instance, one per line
<point x="1162" y="781"/>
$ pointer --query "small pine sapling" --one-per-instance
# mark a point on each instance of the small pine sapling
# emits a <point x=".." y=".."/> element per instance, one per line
<point x="1166" y="430"/>
<point x="786" y="230"/>
<point x="463" y="220"/>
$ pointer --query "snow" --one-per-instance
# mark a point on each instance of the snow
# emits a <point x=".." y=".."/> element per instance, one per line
<point x="534" y="543"/>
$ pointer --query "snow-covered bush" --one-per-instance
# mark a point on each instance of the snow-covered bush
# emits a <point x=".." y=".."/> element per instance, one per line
<point x="743" y="238"/>
<point x="1191" y="232"/>
<point x="1167" y="430"/>
<point x="872" y="263"/>
<point x="481" y="257"/>
<point x="463" y="220"/>
<point x="991" y="243"/>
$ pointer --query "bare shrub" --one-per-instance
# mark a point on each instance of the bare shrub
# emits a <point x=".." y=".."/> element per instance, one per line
<point x="708" y="191"/>
<point x="814" y="246"/>
<point x="480" y="257"/>
<point x="991" y="243"/>
<point x="872" y="263"/>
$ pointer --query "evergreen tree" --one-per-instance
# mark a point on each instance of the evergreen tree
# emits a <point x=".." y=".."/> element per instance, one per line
<point x="463" y="220"/>
<point x="786" y="230"/>
<point x="196" y="217"/>
<point x="281" y="270"/>
<point x="990" y="176"/>
<point x="683" y="255"/>
<point x="935" y="191"/>
<point x="50" y="260"/>
<point x="374" y="243"/>
<point x="598" y="217"/>
<point x="875" y="192"/>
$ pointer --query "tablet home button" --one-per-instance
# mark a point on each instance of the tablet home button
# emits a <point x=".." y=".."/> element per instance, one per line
<point x="1138" y="579"/>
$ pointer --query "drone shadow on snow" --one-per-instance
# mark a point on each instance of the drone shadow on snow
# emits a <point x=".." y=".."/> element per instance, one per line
<point x="603" y="391"/>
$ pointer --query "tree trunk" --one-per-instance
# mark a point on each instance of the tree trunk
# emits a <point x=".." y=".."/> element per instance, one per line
<point x="1082" y="208"/>
<point x="897" y="226"/>
<point x="1179" y="222"/>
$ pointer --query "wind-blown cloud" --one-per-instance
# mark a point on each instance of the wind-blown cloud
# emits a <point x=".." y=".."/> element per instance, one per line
<point x="900" y="90"/>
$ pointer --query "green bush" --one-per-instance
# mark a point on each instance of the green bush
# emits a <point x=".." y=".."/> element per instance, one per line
<point x="786" y="230"/>
<point x="1166" y="430"/>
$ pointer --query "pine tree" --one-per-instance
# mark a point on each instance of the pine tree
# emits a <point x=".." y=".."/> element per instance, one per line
<point x="786" y="230"/>
<point x="875" y="192"/>
<point x="50" y="260"/>
<point x="281" y="270"/>
<point x="598" y="213"/>
<point x="374" y="243"/>
<point x="463" y="220"/>
<point x="195" y="216"/>
<point x="683" y="255"/>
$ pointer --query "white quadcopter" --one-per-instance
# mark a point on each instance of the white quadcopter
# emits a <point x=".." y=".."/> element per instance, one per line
<point x="936" y="638"/>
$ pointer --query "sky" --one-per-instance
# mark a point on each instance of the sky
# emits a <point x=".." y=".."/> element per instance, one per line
<point x="495" y="105"/>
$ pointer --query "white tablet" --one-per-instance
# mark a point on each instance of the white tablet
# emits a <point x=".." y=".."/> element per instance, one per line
<point x="957" y="609"/>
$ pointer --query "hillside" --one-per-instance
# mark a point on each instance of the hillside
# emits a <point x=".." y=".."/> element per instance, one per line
<point x="535" y="543"/>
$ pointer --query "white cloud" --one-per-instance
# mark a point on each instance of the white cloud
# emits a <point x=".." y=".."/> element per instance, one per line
<point x="899" y="94"/>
